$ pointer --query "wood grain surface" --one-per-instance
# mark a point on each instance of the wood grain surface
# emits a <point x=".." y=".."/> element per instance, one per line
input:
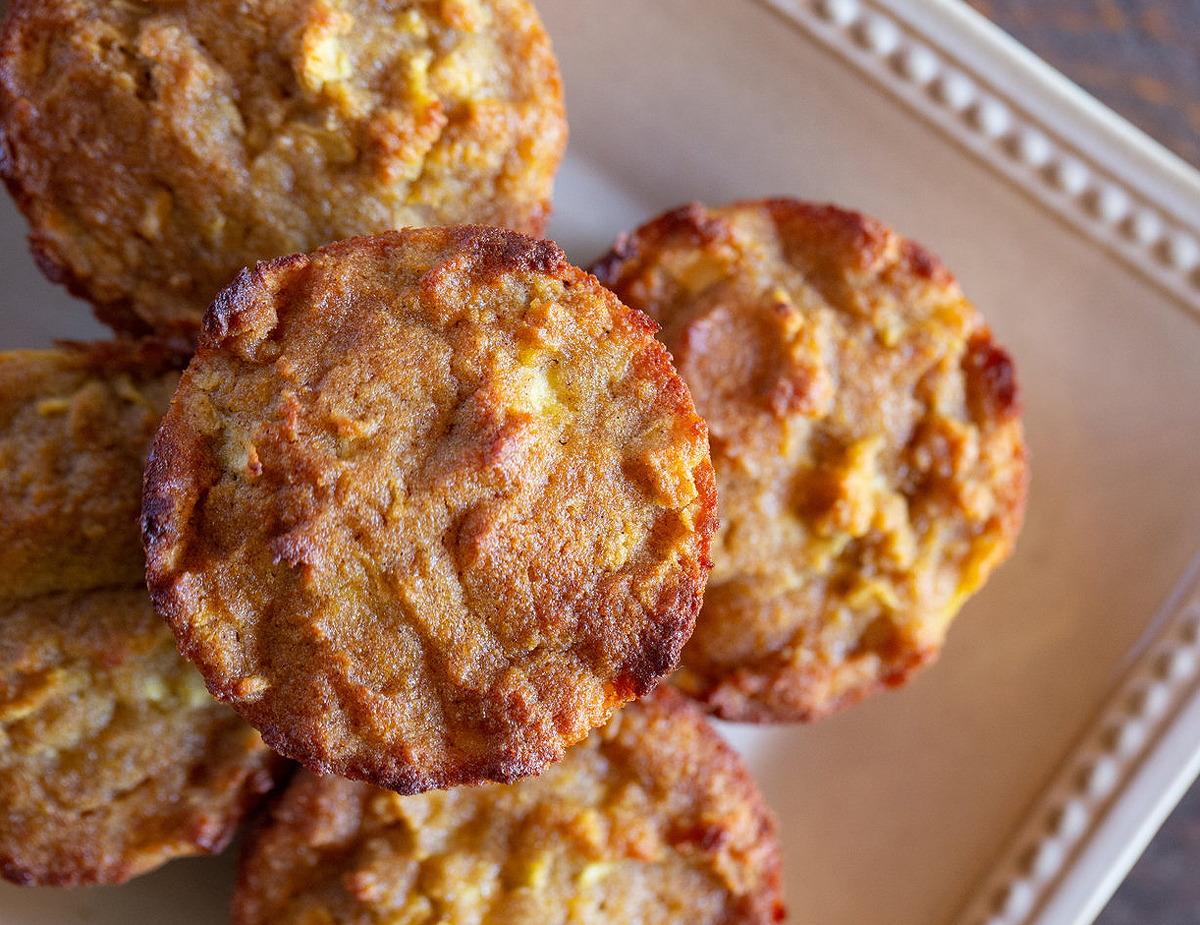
<point x="1141" y="58"/>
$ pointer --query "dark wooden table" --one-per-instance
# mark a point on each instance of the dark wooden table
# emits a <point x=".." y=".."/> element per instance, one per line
<point x="1141" y="58"/>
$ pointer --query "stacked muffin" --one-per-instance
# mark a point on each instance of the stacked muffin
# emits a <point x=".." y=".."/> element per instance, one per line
<point x="431" y="507"/>
<point x="113" y="757"/>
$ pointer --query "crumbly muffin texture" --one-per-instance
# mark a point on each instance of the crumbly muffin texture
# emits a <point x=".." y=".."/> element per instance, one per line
<point x="75" y="430"/>
<point x="113" y="756"/>
<point x="651" y="820"/>
<point x="428" y="506"/>
<point x="867" y="439"/>
<point x="159" y="146"/>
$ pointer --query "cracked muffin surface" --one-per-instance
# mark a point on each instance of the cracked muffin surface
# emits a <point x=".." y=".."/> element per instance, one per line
<point x="157" y="147"/>
<point x="428" y="506"/>
<point x="866" y="434"/>
<point x="113" y="756"/>
<point x="652" y="819"/>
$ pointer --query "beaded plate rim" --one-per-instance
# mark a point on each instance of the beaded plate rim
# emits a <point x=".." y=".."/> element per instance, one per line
<point x="1097" y="179"/>
<point x="1142" y="204"/>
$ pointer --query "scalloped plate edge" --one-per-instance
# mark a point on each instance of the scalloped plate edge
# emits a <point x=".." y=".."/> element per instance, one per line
<point x="1112" y="183"/>
<point x="1102" y="175"/>
<point x="1130" y="767"/>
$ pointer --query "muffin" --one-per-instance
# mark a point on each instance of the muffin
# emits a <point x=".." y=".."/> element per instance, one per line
<point x="866" y="434"/>
<point x="428" y="506"/>
<point x="652" y="819"/>
<point x="113" y="757"/>
<point x="158" y="148"/>
<point x="75" y="428"/>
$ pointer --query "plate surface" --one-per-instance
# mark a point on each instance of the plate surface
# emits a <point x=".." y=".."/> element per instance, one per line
<point x="1015" y="780"/>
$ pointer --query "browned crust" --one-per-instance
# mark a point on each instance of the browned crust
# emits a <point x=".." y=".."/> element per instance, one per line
<point x="246" y="326"/>
<point x="771" y="690"/>
<point x="326" y="840"/>
<point x="85" y="165"/>
<point x="662" y="736"/>
<point x="114" y="759"/>
<point x="844" y="260"/>
<point x="140" y="357"/>
<point x="26" y="181"/>
<point x="810" y="232"/>
<point x="100" y="803"/>
<point x="75" y="422"/>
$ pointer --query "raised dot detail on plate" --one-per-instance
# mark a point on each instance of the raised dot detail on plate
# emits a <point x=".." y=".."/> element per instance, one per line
<point x="1016" y="901"/>
<point x="1128" y="737"/>
<point x="1070" y="820"/>
<point x="1178" y="665"/>
<point x="1100" y="777"/>
<point x="1031" y="147"/>
<point x="839" y="12"/>
<point x="1152" y="699"/>
<point x="918" y="64"/>
<point x="1108" y="203"/>
<point x="1046" y="859"/>
<point x="1144" y="226"/>
<point x="879" y="34"/>
<point x="1181" y="251"/>
<point x="955" y="90"/>
<point x="990" y="117"/>
<point x="1070" y="176"/>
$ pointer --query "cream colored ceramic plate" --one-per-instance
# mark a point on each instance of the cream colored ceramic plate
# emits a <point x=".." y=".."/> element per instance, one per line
<point x="1015" y="781"/>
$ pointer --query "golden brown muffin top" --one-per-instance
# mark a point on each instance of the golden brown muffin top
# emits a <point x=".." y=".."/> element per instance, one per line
<point x="113" y="757"/>
<point x="651" y="820"/>
<point x="428" y="506"/>
<point x="159" y="146"/>
<point x="867" y="440"/>
<point x="75" y="429"/>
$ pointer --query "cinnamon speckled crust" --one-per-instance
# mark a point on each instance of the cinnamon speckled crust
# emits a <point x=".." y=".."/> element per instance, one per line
<point x="652" y="820"/>
<point x="113" y="757"/>
<point x="157" y="147"/>
<point x="428" y="506"/>
<point x="867" y="440"/>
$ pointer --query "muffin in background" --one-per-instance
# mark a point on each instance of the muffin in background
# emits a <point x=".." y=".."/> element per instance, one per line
<point x="113" y="756"/>
<point x="651" y="820"/>
<point x="158" y="148"/>
<point x="866" y="435"/>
